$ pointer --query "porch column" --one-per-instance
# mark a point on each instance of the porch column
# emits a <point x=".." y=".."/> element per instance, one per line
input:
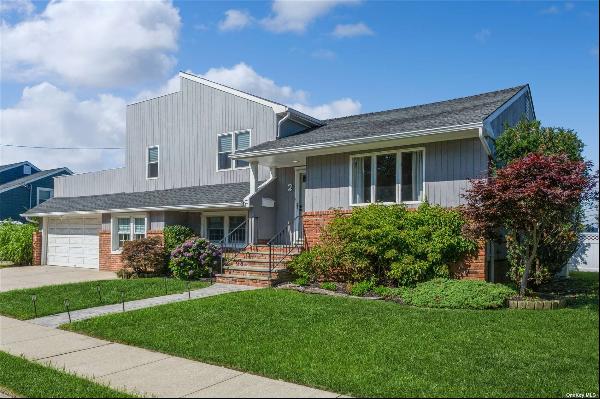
<point x="253" y="176"/>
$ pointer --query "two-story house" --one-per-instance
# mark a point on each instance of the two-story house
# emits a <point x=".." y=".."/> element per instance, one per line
<point x="23" y="186"/>
<point x="241" y="169"/>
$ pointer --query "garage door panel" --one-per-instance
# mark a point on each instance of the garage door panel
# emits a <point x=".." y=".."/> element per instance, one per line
<point x="74" y="241"/>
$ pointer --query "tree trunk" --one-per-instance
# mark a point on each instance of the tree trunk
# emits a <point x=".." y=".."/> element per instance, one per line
<point x="529" y="261"/>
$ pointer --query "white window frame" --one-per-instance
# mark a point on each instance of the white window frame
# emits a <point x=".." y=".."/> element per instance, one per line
<point x="373" y="156"/>
<point x="233" y="149"/>
<point x="225" y="216"/>
<point x="114" y="239"/>
<point x="148" y="162"/>
<point x="39" y="189"/>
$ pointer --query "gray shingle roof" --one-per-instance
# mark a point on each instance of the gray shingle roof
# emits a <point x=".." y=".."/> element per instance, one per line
<point x="32" y="177"/>
<point x="187" y="196"/>
<point x="459" y="111"/>
<point x="12" y="165"/>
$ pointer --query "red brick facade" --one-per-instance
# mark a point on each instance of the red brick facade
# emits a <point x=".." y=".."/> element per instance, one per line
<point x="112" y="261"/>
<point x="473" y="268"/>
<point x="37" y="248"/>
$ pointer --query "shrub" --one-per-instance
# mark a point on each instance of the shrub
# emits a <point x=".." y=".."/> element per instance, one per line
<point x="16" y="242"/>
<point x="329" y="286"/>
<point x="361" y="288"/>
<point x="144" y="257"/>
<point x="176" y="235"/>
<point x="458" y="294"/>
<point x="388" y="243"/>
<point x="193" y="258"/>
<point x="302" y="281"/>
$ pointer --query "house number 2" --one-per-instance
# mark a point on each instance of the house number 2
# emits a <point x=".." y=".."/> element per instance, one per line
<point x="290" y="187"/>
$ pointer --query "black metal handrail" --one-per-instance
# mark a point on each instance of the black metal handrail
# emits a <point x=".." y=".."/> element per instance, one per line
<point x="223" y="243"/>
<point x="288" y="239"/>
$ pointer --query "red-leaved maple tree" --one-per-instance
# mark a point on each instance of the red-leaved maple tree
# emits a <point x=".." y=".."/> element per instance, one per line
<point x="526" y="198"/>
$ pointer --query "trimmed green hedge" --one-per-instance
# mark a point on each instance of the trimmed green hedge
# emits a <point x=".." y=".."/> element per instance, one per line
<point x="458" y="294"/>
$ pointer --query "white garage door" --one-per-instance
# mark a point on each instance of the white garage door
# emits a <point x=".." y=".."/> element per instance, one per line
<point x="73" y="241"/>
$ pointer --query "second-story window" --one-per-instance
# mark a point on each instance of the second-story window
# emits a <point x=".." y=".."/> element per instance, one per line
<point x="152" y="172"/>
<point x="230" y="143"/>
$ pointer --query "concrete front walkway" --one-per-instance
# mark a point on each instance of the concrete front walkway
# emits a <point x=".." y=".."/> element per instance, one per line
<point x="139" y="370"/>
<point x="18" y="277"/>
<point x="63" y="318"/>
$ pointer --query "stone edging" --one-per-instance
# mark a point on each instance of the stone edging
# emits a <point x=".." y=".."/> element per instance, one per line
<point x="546" y="304"/>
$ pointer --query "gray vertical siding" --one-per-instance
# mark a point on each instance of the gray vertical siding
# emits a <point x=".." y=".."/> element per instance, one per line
<point x="185" y="126"/>
<point x="266" y="218"/>
<point x="448" y="167"/>
<point x="521" y="108"/>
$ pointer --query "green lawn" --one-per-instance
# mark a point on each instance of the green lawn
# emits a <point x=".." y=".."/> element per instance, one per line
<point x="31" y="380"/>
<point x="373" y="348"/>
<point x="50" y="299"/>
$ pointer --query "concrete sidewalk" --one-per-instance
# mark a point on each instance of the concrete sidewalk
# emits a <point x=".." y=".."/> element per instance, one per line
<point x="63" y="318"/>
<point x="139" y="370"/>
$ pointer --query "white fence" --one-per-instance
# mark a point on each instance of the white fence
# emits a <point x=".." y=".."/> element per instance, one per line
<point x="586" y="257"/>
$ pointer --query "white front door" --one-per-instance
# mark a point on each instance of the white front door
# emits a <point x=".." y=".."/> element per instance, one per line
<point x="74" y="241"/>
<point x="299" y="202"/>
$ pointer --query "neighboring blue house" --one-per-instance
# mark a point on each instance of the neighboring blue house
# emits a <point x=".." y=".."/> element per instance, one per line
<point x="24" y="186"/>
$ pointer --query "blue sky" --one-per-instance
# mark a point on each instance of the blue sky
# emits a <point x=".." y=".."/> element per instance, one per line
<point x="331" y="59"/>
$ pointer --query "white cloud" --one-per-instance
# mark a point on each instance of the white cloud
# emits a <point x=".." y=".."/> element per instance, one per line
<point x="18" y="6"/>
<point x="352" y="30"/>
<point x="243" y="77"/>
<point x="295" y="16"/>
<point x="92" y="43"/>
<point x="235" y="20"/>
<point x="48" y="116"/>
<point x="171" y="86"/>
<point x="334" y="109"/>
<point x="483" y="35"/>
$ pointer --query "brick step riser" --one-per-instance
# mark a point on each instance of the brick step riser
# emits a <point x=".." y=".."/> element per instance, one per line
<point x="264" y="256"/>
<point x="265" y="249"/>
<point x="252" y="263"/>
<point x="243" y="281"/>
<point x="247" y="273"/>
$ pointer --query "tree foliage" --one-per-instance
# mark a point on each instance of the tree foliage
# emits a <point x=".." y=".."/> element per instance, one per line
<point x="16" y="242"/>
<point x="528" y="137"/>
<point x="527" y="198"/>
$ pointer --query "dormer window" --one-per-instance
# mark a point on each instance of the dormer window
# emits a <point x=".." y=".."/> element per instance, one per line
<point x="230" y="143"/>
<point x="152" y="167"/>
<point x="26" y="169"/>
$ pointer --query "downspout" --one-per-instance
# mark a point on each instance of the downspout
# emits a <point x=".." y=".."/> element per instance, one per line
<point x="486" y="146"/>
<point x="287" y="115"/>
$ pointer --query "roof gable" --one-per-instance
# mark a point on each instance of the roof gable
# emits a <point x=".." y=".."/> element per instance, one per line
<point x="33" y="177"/>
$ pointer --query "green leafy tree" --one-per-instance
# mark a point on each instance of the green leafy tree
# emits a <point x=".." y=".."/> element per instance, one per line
<point x="528" y="137"/>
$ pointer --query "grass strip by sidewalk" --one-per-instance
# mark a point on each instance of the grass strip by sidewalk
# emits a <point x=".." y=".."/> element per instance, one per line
<point x="32" y="380"/>
<point x="50" y="299"/>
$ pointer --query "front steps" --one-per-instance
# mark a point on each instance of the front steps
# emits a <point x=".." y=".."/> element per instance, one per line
<point x="251" y="266"/>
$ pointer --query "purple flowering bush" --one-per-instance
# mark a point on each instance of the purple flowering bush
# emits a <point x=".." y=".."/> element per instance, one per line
<point x="193" y="258"/>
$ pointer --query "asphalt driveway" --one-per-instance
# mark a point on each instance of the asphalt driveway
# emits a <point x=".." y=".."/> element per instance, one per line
<point x="12" y="278"/>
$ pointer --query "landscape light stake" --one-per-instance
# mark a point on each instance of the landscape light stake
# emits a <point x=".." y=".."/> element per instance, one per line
<point x="68" y="310"/>
<point x="99" y="293"/>
<point x="210" y="275"/>
<point x="165" y="279"/>
<point x="187" y="286"/>
<point x="122" y="299"/>
<point x="34" y="300"/>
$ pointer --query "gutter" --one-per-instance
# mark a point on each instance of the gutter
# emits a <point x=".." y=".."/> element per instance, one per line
<point x="360" y="140"/>
<point x="286" y="117"/>
<point x="140" y="209"/>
